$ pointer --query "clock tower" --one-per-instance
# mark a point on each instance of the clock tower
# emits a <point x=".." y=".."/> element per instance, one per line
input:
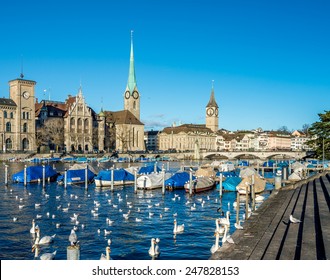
<point x="22" y="93"/>
<point x="132" y="95"/>
<point x="212" y="113"/>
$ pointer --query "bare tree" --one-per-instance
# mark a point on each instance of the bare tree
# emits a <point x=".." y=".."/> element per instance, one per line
<point x="51" y="133"/>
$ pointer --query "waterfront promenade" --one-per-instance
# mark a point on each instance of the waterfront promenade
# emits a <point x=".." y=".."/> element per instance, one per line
<point x="269" y="235"/>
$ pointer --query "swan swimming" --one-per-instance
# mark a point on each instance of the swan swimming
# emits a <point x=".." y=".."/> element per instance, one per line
<point x="215" y="247"/>
<point x="45" y="256"/>
<point x="178" y="228"/>
<point x="154" y="248"/>
<point x="218" y="229"/>
<point x="225" y="221"/>
<point x="106" y="257"/>
<point x="33" y="228"/>
<point x="44" y="240"/>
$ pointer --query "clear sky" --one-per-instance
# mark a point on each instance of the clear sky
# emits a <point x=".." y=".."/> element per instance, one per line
<point x="270" y="60"/>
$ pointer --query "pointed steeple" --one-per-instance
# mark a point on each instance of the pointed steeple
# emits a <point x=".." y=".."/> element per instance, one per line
<point x="131" y="83"/>
<point x="212" y="102"/>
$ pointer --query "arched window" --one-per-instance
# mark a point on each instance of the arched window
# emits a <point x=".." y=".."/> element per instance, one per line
<point x="5" y="114"/>
<point x="9" y="144"/>
<point x="25" y="127"/>
<point x="72" y="124"/>
<point x="8" y="127"/>
<point x="79" y="125"/>
<point x="25" y="144"/>
<point x="86" y="126"/>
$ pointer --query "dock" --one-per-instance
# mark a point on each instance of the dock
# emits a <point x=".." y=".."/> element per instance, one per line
<point x="268" y="233"/>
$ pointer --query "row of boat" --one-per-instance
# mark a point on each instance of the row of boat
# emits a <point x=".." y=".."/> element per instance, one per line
<point x="145" y="177"/>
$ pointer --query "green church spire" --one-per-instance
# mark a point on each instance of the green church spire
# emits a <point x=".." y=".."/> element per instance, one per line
<point x="131" y="84"/>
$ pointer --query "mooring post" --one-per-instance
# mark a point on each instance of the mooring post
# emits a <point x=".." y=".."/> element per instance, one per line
<point x="65" y="177"/>
<point x="25" y="175"/>
<point x="246" y="201"/>
<point x="112" y="178"/>
<point x="86" y="177"/>
<point x="73" y="252"/>
<point x="220" y="185"/>
<point x="135" y="181"/>
<point x="163" y="181"/>
<point x="278" y="179"/>
<point x="237" y="207"/>
<point x="253" y="194"/>
<point x="190" y="183"/>
<point x="43" y="175"/>
<point x="6" y="175"/>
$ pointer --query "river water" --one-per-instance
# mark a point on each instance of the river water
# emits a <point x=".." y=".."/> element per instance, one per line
<point x="130" y="239"/>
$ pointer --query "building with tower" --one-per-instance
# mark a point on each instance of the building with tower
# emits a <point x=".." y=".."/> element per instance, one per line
<point x="17" y="117"/>
<point x="123" y="130"/>
<point x="193" y="137"/>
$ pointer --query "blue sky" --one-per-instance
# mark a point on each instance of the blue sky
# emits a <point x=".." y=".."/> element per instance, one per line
<point x="270" y="60"/>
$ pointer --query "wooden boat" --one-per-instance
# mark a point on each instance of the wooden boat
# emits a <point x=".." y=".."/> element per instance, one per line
<point x="200" y="184"/>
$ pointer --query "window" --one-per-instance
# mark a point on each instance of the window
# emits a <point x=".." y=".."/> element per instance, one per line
<point x="25" y="127"/>
<point x="8" y="127"/>
<point x="5" y="114"/>
<point x="25" y="144"/>
<point x="9" y="144"/>
<point x="23" y="116"/>
<point x="11" y="115"/>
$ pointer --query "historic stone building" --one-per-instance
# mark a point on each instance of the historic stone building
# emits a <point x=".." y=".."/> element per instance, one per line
<point x="17" y="117"/>
<point x="193" y="137"/>
<point x="123" y="130"/>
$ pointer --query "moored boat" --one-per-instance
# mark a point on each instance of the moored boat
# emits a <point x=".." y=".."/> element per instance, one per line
<point x="76" y="174"/>
<point x="178" y="180"/>
<point x="34" y="174"/>
<point x="200" y="184"/>
<point x="151" y="181"/>
<point x="120" y="177"/>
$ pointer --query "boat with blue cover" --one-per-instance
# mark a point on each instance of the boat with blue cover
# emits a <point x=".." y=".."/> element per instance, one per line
<point x="34" y="174"/>
<point x="178" y="180"/>
<point x="76" y="174"/>
<point x="149" y="169"/>
<point x="120" y="177"/>
<point x="230" y="184"/>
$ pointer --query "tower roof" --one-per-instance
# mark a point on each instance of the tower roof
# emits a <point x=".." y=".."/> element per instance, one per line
<point x="212" y="102"/>
<point x="131" y="83"/>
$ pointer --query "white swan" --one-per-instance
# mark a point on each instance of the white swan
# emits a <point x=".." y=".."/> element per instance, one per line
<point x="225" y="221"/>
<point x="33" y="228"/>
<point x="226" y="237"/>
<point x="215" y="247"/>
<point x="44" y="240"/>
<point x="154" y="248"/>
<point x="45" y="256"/>
<point x="106" y="257"/>
<point x="178" y="228"/>
<point x="238" y="225"/>
<point x="218" y="229"/>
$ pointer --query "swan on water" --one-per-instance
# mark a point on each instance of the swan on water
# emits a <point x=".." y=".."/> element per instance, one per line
<point x="154" y="248"/>
<point x="215" y="247"/>
<point x="225" y="221"/>
<point x="45" y="256"/>
<point x="178" y="228"/>
<point x="218" y="229"/>
<point x="106" y="257"/>
<point x="226" y="237"/>
<point x="33" y="228"/>
<point x="44" y="240"/>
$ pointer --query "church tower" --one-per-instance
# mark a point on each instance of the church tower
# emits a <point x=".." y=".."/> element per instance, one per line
<point x="212" y="113"/>
<point x="132" y="96"/>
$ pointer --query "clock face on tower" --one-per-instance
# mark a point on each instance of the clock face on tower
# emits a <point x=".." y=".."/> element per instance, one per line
<point x="210" y="112"/>
<point x="26" y="94"/>
<point x="127" y="94"/>
<point x="135" y="95"/>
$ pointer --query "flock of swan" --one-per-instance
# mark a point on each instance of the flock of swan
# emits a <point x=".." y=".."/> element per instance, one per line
<point x="116" y="201"/>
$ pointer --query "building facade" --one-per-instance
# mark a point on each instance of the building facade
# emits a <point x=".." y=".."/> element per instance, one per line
<point x="17" y="117"/>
